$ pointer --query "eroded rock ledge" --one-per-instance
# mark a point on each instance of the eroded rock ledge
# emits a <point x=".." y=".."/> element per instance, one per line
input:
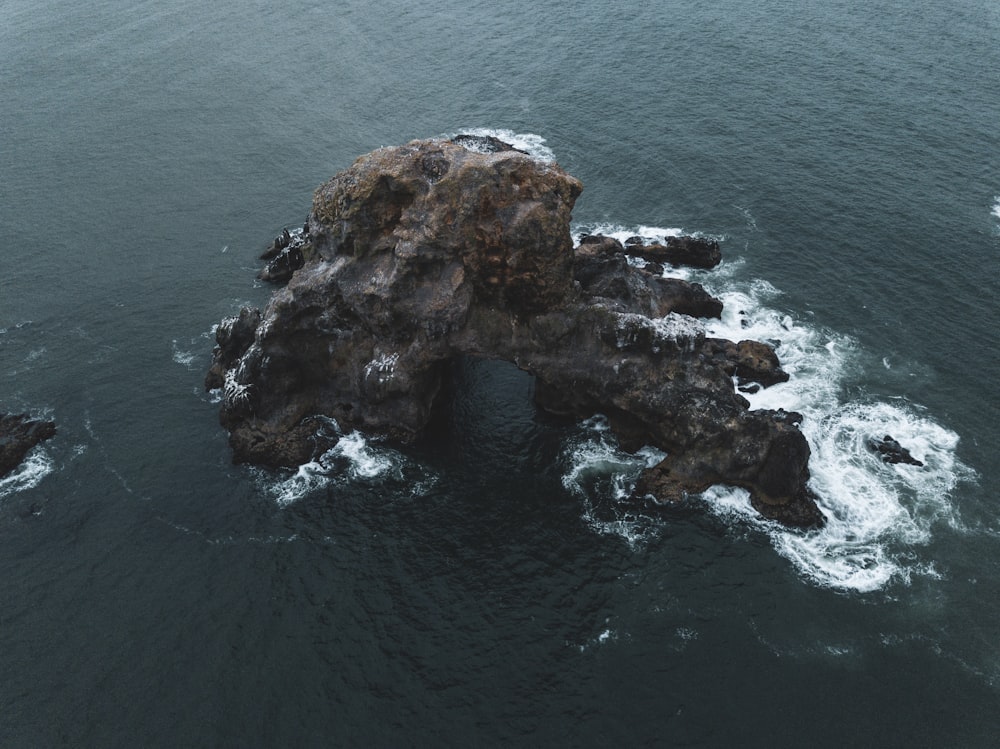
<point x="18" y="434"/>
<point x="437" y="249"/>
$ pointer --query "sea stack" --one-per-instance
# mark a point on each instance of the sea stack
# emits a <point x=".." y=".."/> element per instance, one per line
<point x="438" y="249"/>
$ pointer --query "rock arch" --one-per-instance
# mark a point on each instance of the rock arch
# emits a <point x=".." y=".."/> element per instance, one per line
<point x="436" y="249"/>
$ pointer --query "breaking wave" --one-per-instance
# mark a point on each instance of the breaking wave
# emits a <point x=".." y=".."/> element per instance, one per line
<point x="530" y="143"/>
<point x="353" y="459"/>
<point x="879" y="515"/>
<point x="603" y="476"/>
<point x="28" y="475"/>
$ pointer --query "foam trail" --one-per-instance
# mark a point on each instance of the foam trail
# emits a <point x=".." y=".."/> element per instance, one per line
<point x="28" y="475"/>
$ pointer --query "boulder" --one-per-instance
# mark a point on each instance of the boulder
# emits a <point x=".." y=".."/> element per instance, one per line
<point x="892" y="452"/>
<point x="602" y="270"/>
<point x="439" y="249"/>
<point x="694" y="252"/>
<point x="750" y="362"/>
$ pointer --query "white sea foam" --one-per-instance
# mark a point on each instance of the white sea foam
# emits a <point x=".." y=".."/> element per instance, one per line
<point x="366" y="461"/>
<point x="184" y="358"/>
<point x="308" y="478"/>
<point x="603" y="476"/>
<point x="602" y="638"/>
<point x="649" y="235"/>
<point x="996" y="207"/>
<point x="880" y="516"/>
<point x="28" y="475"/>
<point x="352" y="458"/>
<point x="530" y="143"/>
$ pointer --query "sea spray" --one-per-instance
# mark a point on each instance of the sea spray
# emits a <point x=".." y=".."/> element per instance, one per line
<point x="35" y="467"/>
<point x="529" y="143"/>
<point x="603" y="476"/>
<point x="878" y="514"/>
<point x="354" y="459"/>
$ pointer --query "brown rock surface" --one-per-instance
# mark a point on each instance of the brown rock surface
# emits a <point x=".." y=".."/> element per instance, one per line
<point x="437" y="249"/>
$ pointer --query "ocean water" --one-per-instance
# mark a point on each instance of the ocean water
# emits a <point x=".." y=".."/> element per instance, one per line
<point x="492" y="586"/>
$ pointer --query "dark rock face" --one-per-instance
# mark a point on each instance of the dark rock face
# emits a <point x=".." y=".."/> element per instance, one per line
<point x="601" y="269"/>
<point x="751" y="362"/>
<point x="892" y="452"/>
<point x="284" y="256"/>
<point x="18" y="434"/>
<point x="691" y="251"/>
<point x="438" y="249"/>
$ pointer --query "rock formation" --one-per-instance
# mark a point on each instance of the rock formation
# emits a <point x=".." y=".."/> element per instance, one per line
<point x="892" y="452"/>
<point x="18" y="434"/>
<point x="438" y="249"/>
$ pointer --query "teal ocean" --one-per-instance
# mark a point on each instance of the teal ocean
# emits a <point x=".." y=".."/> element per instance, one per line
<point x="488" y="587"/>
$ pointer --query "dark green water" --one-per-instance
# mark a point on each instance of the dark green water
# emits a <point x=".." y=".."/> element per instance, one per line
<point x="488" y="588"/>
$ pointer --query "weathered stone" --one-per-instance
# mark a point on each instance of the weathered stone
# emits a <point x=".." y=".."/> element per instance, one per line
<point x="18" y="434"/>
<point x="690" y="251"/>
<point x="892" y="452"/>
<point x="601" y="269"/>
<point x="439" y="249"/>
<point x="748" y="361"/>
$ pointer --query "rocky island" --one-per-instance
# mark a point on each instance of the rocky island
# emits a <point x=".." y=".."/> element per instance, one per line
<point x="437" y="249"/>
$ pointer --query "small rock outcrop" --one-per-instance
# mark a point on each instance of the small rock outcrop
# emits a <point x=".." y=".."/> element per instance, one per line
<point x="18" y="434"/>
<point x="693" y="252"/>
<point x="892" y="452"/>
<point x="419" y="254"/>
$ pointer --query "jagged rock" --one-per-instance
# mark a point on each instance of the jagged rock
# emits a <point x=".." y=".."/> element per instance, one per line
<point x="286" y="255"/>
<point x="233" y="336"/>
<point x="283" y="265"/>
<point x="892" y="452"/>
<point x="691" y="251"/>
<point x="749" y="361"/>
<point x="601" y="269"/>
<point x="280" y="243"/>
<point x="440" y="249"/>
<point x="483" y="143"/>
<point x="18" y="434"/>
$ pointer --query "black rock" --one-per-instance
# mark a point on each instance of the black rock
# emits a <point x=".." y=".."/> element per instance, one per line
<point x="18" y="434"/>
<point x="427" y="264"/>
<point x="892" y="452"/>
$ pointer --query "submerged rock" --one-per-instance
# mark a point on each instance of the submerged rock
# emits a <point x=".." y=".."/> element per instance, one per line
<point x="18" y="434"/>
<point x="440" y="249"/>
